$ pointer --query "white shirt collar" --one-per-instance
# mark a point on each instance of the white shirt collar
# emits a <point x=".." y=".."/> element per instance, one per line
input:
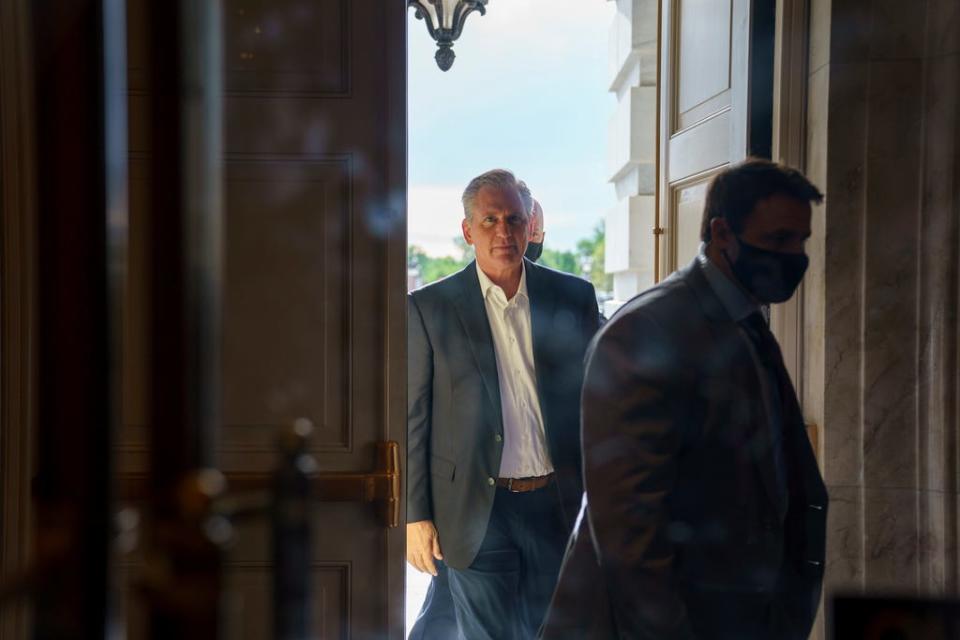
<point x="487" y="285"/>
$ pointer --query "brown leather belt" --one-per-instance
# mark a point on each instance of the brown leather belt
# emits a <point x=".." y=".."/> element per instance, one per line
<point x="522" y="485"/>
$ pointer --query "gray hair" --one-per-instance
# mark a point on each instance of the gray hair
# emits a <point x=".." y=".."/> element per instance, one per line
<point x="496" y="178"/>
<point x="525" y="197"/>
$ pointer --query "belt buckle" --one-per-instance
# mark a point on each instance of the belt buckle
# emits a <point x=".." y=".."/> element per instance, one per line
<point x="510" y="486"/>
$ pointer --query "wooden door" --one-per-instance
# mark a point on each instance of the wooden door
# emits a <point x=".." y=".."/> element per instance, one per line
<point x="313" y="290"/>
<point x="715" y="93"/>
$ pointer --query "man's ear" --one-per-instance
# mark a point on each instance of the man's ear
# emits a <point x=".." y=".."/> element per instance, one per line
<point x="467" y="232"/>
<point x="720" y="232"/>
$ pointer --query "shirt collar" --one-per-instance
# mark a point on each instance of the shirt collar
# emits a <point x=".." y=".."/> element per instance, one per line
<point x="487" y="285"/>
<point x="736" y="303"/>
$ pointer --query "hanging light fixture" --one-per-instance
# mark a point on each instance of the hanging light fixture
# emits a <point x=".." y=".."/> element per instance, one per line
<point x="445" y="20"/>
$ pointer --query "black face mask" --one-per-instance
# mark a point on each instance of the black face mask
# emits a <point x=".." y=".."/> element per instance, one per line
<point x="771" y="276"/>
<point x="534" y="249"/>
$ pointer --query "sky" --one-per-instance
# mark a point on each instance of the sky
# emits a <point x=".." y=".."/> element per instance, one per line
<point x="528" y="92"/>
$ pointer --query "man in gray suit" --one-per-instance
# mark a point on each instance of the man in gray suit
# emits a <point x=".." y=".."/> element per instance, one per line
<point x="437" y="619"/>
<point x="705" y="510"/>
<point x="494" y="368"/>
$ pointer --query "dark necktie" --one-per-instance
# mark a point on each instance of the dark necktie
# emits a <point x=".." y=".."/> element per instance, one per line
<point x="767" y="347"/>
<point x="768" y="352"/>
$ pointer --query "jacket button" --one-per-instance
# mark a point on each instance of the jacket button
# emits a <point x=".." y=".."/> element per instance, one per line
<point x="491" y="481"/>
<point x="498" y="438"/>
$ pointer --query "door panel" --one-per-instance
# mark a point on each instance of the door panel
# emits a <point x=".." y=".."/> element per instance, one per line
<point x="703" y="53"/>
<point x="292" y="48"/>
<point x="704" y="105"/>
<point x="688" y="198"/>
<point x="337" y="575"/>
<point x="313" y="291"/>
<point x="250" y="586"/>
<point x="700" y="148"/>
<point x="287" y="337"/>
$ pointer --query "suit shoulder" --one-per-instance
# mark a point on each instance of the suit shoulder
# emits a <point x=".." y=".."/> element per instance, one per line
<point x="438" y="291"/>
<point x="566" y="281"/>
<point x="661" y="302"/>
<point x="659" y="313"/>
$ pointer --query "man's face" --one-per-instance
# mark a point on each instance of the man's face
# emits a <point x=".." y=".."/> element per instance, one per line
<point x="498" y="229"/>
<point x="778" y="223"/>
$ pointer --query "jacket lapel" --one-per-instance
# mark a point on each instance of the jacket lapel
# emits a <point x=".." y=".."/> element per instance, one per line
<point x="709" y="302"/>
<point x="473" y="315"/>
<point x="542" y="309"/>
<point x="757" y="441"/>
<point x="761" y="442"/>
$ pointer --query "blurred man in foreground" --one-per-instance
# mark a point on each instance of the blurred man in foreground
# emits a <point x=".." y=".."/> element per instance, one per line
<point x="705" y="510"/>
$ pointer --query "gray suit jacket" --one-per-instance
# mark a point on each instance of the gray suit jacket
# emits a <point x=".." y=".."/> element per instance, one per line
<point x="453" y="398"/>
<point x="684" y="535"/>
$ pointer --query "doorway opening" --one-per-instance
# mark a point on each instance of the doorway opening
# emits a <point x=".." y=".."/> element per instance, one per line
<point x="529" y="92"/>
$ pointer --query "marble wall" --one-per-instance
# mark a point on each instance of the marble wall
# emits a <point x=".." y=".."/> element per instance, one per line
<point x="881" y="300"/>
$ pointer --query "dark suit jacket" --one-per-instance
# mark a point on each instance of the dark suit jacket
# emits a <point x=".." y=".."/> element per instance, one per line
<point x="683" y="534"/>
<point x="453" y="398"/>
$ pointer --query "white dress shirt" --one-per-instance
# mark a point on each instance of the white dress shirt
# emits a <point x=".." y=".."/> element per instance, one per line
<point x="525" y="452"/>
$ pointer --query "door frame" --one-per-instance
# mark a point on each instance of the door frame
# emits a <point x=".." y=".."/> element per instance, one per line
<point x="17" y="305"/>
<point x="790" y="66"/>
<point x="395" y="319"/>
<point x="18" y="309"/>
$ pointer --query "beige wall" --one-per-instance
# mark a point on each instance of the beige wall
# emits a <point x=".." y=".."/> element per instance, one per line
<point x="881" y="300"/>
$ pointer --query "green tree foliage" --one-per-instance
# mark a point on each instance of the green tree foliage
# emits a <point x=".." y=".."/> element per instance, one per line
<point x="432" y="269"/>
<point x="591" y="252"/>
<point x="466" y="251"/>
<point x="561" y="261"/>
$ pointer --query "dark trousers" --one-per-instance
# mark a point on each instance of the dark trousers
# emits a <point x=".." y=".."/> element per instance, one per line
<point x="437" y="619"/>
<point x="504" y="593"/>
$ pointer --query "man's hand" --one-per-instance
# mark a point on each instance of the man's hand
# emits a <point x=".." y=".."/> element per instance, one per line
<point x="423" y="545"/>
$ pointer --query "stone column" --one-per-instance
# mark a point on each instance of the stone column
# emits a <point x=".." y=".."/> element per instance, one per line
<point x="632" y="149"/>
<point x="881" y="300"/>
